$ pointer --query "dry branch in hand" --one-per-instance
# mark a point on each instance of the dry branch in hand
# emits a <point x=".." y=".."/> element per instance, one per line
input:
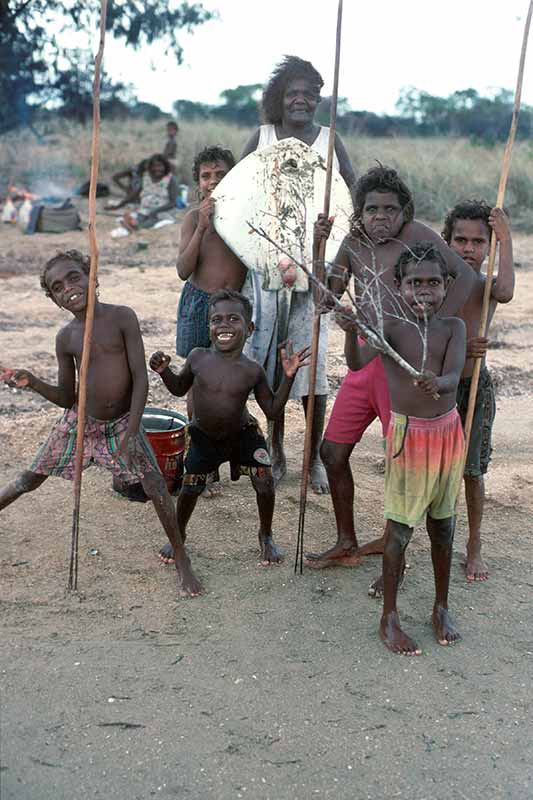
<point x="367" y="306"/>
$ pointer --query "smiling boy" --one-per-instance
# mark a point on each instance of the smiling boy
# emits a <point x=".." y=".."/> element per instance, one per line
<point x="425" y="441"/>
<point x="220" y="380"/>
<point x="117" y="387"/>
<point x="382" y="228"/>
<point x="205" y="262"/>
<point x="467" y="229"/>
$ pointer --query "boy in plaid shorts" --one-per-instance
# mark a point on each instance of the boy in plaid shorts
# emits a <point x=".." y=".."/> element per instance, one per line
<point x="117" y="387"/>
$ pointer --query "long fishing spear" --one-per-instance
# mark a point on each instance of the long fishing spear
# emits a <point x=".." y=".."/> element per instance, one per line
<point x="89" y="314"/>
<point x="319" y="269"/>
<point x="492" y="252"/>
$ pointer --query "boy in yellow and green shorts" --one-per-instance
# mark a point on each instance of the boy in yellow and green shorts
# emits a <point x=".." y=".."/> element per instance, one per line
<point x="425" y="442"/>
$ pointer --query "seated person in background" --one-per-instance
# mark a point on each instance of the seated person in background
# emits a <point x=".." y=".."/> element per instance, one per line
<point x="129" y="181"/>
<point x="221" y="379"/>
<point x="158" y="196"/>
<point x="467" y="230"/>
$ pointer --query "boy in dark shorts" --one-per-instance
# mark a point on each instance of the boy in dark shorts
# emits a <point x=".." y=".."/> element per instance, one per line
<point x="425" y="441"/>
<point x="205" y="262"/>
<point x="382" y="228"/>
<point x="117" y="387"/>
<point x="467" y="229"/>
<point x="220" y="379"/>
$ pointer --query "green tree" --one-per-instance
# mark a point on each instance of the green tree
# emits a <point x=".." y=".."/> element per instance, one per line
<point x="34" y="66"/>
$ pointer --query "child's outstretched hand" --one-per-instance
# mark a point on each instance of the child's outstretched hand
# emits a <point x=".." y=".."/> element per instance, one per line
<point x="476" y="347"/>
<point x="205" y="213"/>
<point x="16" y="378"/>
<point x="428" y="383"/>
<point x="322" y="228"/>
<point x="291" y="361"/>
<point x="499" y="222"/>
<point x="159" y="361"/>
<point x="346" y="319"/>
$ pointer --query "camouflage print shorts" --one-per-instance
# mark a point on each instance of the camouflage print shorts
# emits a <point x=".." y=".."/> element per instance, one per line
<point x="480" y="447"/>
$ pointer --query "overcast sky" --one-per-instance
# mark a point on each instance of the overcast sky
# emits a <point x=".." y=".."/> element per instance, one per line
<point x="436" y="46"/>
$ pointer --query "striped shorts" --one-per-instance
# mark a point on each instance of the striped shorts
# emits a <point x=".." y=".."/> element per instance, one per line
<point x="423" y="467"/>
<point x="100" y="443"/>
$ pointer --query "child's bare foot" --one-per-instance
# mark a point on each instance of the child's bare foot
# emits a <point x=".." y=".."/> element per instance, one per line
<point x="166" y="554"/>
<point x="394" y="638"/>
<point x="212" y="490"/>
<point x="190" y="586"/>
<point x="445" y="631"/>
<point x="318" y="477"/>
<point x="270" y="554"/>
<point x="342" y="554"/>
<point x="475" y="567"/>
<point x="376" y="587"/>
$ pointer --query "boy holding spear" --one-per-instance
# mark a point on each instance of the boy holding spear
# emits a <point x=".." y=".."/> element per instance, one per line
<point x="117" y="387"/>
<point x="467" y="229"/>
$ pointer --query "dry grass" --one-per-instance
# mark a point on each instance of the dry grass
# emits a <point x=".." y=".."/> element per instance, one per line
<point x="439" y="171"/>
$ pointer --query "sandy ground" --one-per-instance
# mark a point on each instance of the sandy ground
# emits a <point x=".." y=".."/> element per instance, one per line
<point x="270" y="685"/>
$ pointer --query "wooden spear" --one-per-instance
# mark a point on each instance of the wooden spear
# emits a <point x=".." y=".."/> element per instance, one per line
<point x="89" y="314"/>
<point x="319" y="269"/>
<point x="493" y="241"/>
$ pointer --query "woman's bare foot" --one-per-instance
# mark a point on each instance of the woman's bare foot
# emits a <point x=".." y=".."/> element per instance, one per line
<point x="343" y="554"/>
<point x="212" y="490"/>
<point x="445" y="631"/>
<point x="475" y="567"/>
<point x="394" y="638"/>
<point x="373" y="548"/>
<point x="318" y="477"/>
<point x="166" y="554"/>
<point x="270" y="554"/>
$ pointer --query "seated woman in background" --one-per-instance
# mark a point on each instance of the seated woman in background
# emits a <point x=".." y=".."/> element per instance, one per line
<point x="157" y="197"/>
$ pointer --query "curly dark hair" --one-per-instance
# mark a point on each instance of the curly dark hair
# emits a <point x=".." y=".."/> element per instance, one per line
<point x="237" y="297"/>
<point x="466" y="209"/>
<point x="162" y="159"/>
<point x="420" y="251"/>
<point x="380" y="179"/>
<point x="289" y="69"/>
<point x="84" y="262"/>
<point x="208" y="156"/>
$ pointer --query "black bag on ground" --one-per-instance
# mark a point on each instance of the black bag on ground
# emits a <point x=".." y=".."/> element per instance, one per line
<point x="54" y="219"/>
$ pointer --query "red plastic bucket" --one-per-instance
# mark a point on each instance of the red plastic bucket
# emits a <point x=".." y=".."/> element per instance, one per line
<point x="165" y="431"/>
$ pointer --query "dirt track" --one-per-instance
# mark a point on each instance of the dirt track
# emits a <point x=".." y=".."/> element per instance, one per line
<point x="270" y="685"/>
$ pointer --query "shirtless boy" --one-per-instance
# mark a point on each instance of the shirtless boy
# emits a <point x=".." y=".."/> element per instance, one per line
<point x="425" y="441"/>
<point x="467" y="229"/>
<point x="116" y="395"/>
<point x="382" y="228"/>
<point x="205" y="262"/>
<point x="221" y="378"/>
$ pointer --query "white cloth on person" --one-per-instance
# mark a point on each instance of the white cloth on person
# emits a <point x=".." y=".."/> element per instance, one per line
<point x="283" y="314"/>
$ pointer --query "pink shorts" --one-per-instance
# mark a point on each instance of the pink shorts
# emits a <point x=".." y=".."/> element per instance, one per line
<point x="363" y="396"/>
